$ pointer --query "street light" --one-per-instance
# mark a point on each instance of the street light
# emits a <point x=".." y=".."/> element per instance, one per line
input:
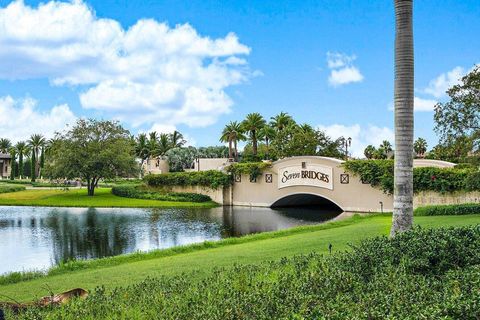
<point x="345" y="144"/>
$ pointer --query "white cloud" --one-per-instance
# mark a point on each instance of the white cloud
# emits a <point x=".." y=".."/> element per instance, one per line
<point x="342" y="70"/>
<point x="361" y="136"/>
<point x="149" y="73"/>
<point x="438" y="86"/>
<point x="21" y="118"/>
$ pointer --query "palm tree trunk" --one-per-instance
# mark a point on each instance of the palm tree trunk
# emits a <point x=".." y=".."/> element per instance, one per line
<point x="229" y="148"/>
<point x="404" y="82"/>
<point x="236" y="149"/>
<point x="254" y="142"/>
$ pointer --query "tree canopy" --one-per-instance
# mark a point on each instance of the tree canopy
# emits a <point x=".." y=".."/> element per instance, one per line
<point x="92" y="150"/>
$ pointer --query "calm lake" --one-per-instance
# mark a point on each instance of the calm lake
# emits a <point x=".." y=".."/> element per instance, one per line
<point x="37" y="238"/>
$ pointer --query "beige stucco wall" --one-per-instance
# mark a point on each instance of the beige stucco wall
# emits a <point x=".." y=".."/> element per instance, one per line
<point x="204" y="164"/>
<point x="220" y="195"/>
<point x="155" y="166"/>
<point x="354" y="196"/>
<point x="426" y="198"/>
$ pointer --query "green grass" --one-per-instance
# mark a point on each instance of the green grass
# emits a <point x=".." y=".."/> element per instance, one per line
<point x="79" y="198"/>
<point x="123" y="271"/>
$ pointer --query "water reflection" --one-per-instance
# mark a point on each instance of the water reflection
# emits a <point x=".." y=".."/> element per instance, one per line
<point x="34" y="238"/>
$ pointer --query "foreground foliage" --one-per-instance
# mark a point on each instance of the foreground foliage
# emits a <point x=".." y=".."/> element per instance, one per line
<point x="448" y="210"/>
<point x="139" y="192"/>
<point x="11" y="188"/>
<point x="418" y="274"/>
<point x="211" y="178"/>
<point x="379" y="173"/>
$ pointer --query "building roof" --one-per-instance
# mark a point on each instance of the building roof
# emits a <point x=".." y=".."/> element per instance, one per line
<point x="5" y="156"/>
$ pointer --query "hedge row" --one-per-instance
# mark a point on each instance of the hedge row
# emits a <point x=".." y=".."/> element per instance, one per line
<point x="11" y="188"/>
<point x="137" y="192"/>
<point x="212" y="178"/>
<point x="448" y="210"/>
<point x="421" y="274"/>
<point x="379" y="173"/>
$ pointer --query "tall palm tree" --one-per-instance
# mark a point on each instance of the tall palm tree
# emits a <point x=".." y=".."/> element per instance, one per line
<point x="5" y="145"/>
<point x="281" y="120"/>
<point x="153" y="144"/>
<point x="252" y="124"/>
<point x="267" y="134"/>
<point x="36" y="142"/>
<point x="176" y="139"/>
<point x="420" y="147"/>
<point x="13" y="161"/>
<point x="238" y="135"/>
<point x="227" y="137"/>
<point x="164" y="144"/>
<point x="386" y="149"/>
<point x="141" y="148"/>
<point x="404" y="76"/>
<point x="369" y="151"/>
<point x="22" y="150"/>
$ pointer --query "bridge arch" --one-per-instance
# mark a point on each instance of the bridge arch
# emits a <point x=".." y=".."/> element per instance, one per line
<point x="309" y="199"/>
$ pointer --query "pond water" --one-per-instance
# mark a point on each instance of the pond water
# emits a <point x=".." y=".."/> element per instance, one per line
<point x="33" y="238"/>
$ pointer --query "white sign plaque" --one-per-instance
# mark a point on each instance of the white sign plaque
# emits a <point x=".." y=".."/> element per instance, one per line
<point x="313" y="175"/>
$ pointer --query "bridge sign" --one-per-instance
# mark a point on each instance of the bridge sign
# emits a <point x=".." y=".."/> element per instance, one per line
<point x="313" y="175"/>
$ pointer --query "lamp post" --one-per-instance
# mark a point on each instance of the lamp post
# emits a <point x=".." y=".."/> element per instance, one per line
<point x="346" y="143"/>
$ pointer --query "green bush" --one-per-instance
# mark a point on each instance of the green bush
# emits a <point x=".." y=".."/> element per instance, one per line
<point x="448" y="210"/>
<point x="137" y="192"/>
<point x="422" y="274"/>
<point x="212" y="178"/>
<point x="253" y="169"/>
<point x="11" y="188"/>
<point x="379" y="173"/>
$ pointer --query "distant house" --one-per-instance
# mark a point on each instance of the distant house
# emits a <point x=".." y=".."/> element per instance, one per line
<point x="5" y="165"/>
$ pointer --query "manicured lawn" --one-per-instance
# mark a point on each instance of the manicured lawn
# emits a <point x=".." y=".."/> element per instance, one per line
<point x="254" y="249"/>
<point x="79" y="198"/>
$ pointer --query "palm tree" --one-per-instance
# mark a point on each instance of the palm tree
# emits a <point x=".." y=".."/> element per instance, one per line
<point x="252" y="124"/>
<point x="177" y="139"/>
<point x="404" y="85"/>
<point x="22" y="150"/>
<point x="420" y="147"/>
<point x="386" y="148"/>
<point x="369" y="151"/>
<point x="36" y="142"/>
<point x="227" y="136"/>
<point x="13" y="161"/>
<point x="141" y="148"/>
<point x="281" y="120"/>
<point x="153" y="144"/>
<point x="164" y="144"/>
<point x="267" y="133"/>
<point x="5" y="145"/>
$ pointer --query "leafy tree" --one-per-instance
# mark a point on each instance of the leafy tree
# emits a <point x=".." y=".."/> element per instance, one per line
<point x="180" y="159"/>
<point x="386" y="149"/>
<point x="404" y="91"/>
<point x="22" y="150"/>
<point x="370" y="152"/>
<point x="153" y="144"/>
<point x="460" y="116"/>
<point x="212" y="152"/>
<point x="5" y="145"/>
<point x="251" y="125"/>
<point x="92" y="150"/>
<point x="420" y="147"/>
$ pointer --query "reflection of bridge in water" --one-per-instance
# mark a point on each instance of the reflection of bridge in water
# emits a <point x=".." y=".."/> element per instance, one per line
<point x="312" y="181"/>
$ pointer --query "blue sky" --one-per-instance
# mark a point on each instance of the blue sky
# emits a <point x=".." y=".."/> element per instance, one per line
<point x="195" y="65"/>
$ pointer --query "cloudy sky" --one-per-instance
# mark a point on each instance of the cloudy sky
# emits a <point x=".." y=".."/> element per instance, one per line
<point x="195" y="65"/>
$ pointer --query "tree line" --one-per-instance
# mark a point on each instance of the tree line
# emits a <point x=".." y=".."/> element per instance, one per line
<point x="278" y="138"/>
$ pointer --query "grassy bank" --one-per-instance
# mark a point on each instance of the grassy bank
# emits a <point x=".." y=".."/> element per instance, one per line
<point x="416" y="275"/>
<point x="78" y="198"/>
<point x="128" y="270"/>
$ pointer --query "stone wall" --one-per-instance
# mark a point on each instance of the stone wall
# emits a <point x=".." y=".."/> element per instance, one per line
<point x="222" y="196"/>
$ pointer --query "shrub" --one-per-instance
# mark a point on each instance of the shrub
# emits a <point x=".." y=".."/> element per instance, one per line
<point x="11" y="188"/>
<point x="131" y="191"/>
<point x="212" y="178"/>
<point x="448" y="210"/>
<point x="421" y="274"/>
<point x="253" y="169"/>
<point x="379" y="173"/>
